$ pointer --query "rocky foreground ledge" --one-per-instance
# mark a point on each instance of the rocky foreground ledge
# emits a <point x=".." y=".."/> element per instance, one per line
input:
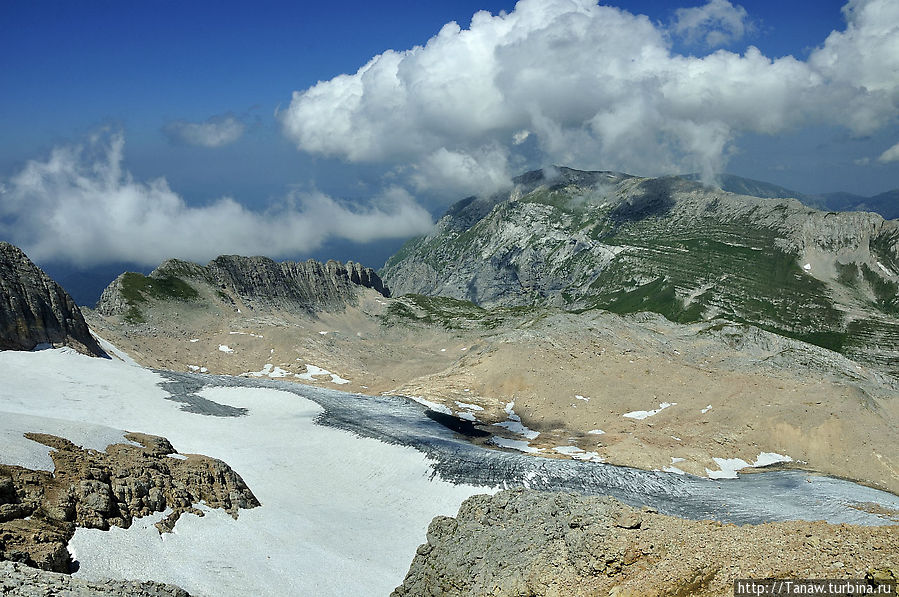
<point x="525" y="542"/>
<point x="39" y="510"/>
<point x="18" y="580"/>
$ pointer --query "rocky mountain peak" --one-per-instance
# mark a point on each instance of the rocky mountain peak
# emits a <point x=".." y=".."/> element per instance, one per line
<point x="36" y="310"/>
<point x="257" y="282"/>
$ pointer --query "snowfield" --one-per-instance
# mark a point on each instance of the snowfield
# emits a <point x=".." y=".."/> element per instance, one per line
<point x="340" y="514"/>
<point x="348" y="483"/>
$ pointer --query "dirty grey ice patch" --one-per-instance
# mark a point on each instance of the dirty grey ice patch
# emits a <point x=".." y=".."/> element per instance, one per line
<point x="750" y="499"/>
<point x="183" y="388"/>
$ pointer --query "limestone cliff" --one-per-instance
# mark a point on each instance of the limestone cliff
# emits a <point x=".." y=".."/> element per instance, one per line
<point x="257" y="283"/>
<point x="36" y="310"/>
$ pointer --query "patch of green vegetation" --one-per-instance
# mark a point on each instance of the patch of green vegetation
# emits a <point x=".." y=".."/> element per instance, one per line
<point x="136" y="288"/>
<point x="886" y="292"/>
<point x="847" y="274"/>
<point x="134" y="315"/>
<point x="448" y="313"/>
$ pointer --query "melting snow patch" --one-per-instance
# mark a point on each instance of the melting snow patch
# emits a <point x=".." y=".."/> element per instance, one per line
<point x="440" y="408"/>
<point x="706" y="409"/>
<point x="312" y="371"/>
<point x="579" y="397"/>
<point x="193" y="367"/>
<point x="807" y="267"/>
<point x="194" y="339"/>
<point x="245" y="334"/>
<point x="884" y="268"/>
<point x="323" y="333"/>
<point x="269" y="371"/>
<point x="766" y="458"/>
<point x="514" y="423"/>
<point x="596" y="432"/>
<point x="225" y="348"/>
<point x="468" y="416"/>
<point x="642" y="414"/>
<point x="178" y="456"/>
<point x="578" y="454"/>
<point x="468" y="406"/>
<point x="515" y="444"/>
<point x="730" y="466"/>
<point x="673" y="469"/>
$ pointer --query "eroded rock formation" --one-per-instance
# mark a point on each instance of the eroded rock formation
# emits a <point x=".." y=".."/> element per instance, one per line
<point x="39" y="510"/>
<point x="36" y="310"/>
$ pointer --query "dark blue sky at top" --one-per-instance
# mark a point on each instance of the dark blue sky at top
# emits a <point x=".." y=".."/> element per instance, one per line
<point x="69" y="68"/>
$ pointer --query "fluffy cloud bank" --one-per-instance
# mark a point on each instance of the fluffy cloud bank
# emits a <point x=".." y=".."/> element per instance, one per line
<point x="81" y="207"/>
<point x="214" y="132"/>
<point x="593" y="86"/>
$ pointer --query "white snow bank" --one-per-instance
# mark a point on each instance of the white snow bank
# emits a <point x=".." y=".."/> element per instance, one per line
<point x="114" y="351"/>
<point x="225" y="348"/>
<point x="643" y="414"/>
<point x="312" y="371"/>
<point x="440" y="408"/>
<point x="729" y="466"/>
<point x="579" y="454"/>
<point x="269" y="370"/>
<point x="596" y="432"/>
<point x="706" y="409"/>
<point x="584" y="398"/>
<point x="515" y="444"/>
<point x="16" y="450"/>
<point x="514" y="423"/>
<point x="673" y="469"/>
<point x="341" y="515"/>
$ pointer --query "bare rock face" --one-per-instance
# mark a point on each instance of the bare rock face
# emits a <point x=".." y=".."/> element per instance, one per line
<point x="18" y="580"/>
<point x="524" y="542"/>
<point x="36" y="310"/>
<point x="257" y="282"/>
<point x="289" y="284"/>
<point x="39" y="511"/>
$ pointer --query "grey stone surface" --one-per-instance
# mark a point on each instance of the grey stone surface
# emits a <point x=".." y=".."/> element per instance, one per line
<point x="35" y="310"/>
<point x="21" y="581"/>
<point x="262" y="283"/>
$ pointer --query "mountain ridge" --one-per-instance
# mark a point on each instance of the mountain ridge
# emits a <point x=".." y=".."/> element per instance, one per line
<point x="248" y="282"/>
<point x="584" y="240"/>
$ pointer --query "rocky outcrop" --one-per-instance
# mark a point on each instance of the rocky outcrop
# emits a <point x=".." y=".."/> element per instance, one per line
<point x="17" y="580"/>
<point x="39" y="511"/>
<point x="257" y="282"/>
<point x="308" y="284"/>
<point x="524" y="542"/>
<point x="36" y="310"/>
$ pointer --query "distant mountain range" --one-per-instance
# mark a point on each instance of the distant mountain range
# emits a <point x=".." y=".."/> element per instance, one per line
<point x="886" y="204"/>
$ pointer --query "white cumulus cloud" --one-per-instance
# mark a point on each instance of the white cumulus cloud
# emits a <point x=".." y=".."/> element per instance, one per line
<point x="717" y="23"/>
<point x="214" y="132"/>
<point x="594" y="87"/>
<point x="80" y="206"/>
<point x="890" y="155"/>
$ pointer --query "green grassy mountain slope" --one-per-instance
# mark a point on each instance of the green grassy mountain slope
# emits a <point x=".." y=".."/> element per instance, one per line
<point x="587" y="240"/>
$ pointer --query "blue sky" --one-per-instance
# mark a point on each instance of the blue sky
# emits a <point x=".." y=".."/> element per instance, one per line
<point x="136" y="131"/>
